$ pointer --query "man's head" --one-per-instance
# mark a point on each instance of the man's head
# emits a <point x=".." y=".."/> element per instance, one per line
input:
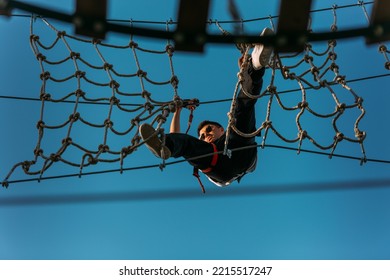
<point x="209" y="131"/>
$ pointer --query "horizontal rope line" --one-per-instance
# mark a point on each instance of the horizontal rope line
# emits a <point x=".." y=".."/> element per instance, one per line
<point x="118" y="170"/>
<point x="205" y="102"/>
<point x="213" y="21"/>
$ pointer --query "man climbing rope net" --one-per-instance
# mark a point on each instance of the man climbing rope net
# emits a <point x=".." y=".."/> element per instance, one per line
<point x="221" y="169"/>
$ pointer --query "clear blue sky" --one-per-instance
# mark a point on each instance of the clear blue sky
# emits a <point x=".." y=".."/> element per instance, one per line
<point x="293" y="206"/>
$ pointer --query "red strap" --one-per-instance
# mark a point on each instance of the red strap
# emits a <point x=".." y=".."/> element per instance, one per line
<point x="213" y="160"/>
<point x="196" y="174"/>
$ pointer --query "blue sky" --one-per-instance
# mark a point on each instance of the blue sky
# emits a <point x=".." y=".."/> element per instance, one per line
<point x="304" y="206"/>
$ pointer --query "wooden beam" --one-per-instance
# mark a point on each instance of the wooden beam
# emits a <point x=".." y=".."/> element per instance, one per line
<point x="5" y="10"/>
<point x="292" y="25"/>
<point x="380" y="15"/>
<point x="191" y="29"/>
<point x="90" y="18"/>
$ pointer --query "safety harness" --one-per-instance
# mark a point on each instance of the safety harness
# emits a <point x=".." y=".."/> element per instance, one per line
<point x="213" y="163"/>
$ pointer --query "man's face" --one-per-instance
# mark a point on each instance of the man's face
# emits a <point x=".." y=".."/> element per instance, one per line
<point x="209" y="133"/>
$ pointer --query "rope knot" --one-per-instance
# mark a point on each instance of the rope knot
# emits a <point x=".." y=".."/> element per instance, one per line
<point x="340" y="79"/>
<point x="361" y="135"/>
<point x="341" y="107"/>
<point x="114" y="100"/>
<point x="79" y="93"/>
<point x="79" y="74"/>
<point x="96" y="41"/>
<point x="271" y="89"/>
<point x="45" y="96"/>
<point x="55" y="157"/>
<point x="108" y="123"/>
<point x="302" y="134"/>
<point x="382" y="48"/>
<point x="104" y="148"/>
<point x="40" y="57"/>
<point x="303" y="104"/>
<point x="34" y="37"/>
<point x="40" y="124"/>
<point x="339" y="137"/>
<point x="67" y="141"/>
<point x="174" y="81"/>
<point x="334" y="67"/>
<point x="332" y="55"/>
<point x="266" y="124"/>
<point x="149" y="106"/>
<point x="141" y="73"/>
<point x="74" y="55"/>
<point x="45" y="76"/>
<point x="107" y="66"/>
<point x="38" y="152"/>
<point x="74" y="117"/>
<point x="308" y="58"/>
<point x="170" y="49"/>
<point x="133" y="44"/>
<point x="146" y="94"/>
<point x="114" y="84"/>
<point x="61" y="34"/>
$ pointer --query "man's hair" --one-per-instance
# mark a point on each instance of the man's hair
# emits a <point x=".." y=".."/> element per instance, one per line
<point x="206" y="122"/>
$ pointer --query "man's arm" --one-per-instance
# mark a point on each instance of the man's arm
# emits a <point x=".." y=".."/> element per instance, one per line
<point x="175" y="122"/>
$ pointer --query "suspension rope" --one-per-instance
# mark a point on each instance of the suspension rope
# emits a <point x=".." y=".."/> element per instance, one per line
<point x="141" y="167"/>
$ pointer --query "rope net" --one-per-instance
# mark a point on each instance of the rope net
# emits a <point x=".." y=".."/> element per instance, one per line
<point x="126" y="94"/>
<point x="131" y="96"/>
<point x="320" y="82"/>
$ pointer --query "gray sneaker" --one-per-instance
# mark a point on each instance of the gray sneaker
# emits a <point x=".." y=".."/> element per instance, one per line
<point x="153" y="143"/>
<point x="261" y="54"/>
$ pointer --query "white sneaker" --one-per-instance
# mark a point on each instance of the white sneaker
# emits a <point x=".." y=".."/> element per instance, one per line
<point x="261" y="54"/>
<point x="153" y="143"/>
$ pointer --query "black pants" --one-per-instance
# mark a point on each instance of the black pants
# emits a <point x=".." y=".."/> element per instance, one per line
<point x="187" y="146"/>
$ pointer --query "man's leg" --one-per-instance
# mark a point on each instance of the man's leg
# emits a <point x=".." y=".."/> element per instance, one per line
<point x="177" y="145"/>
<point x="187" y="146"/>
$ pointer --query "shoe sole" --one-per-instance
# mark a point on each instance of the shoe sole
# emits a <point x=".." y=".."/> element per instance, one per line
<point x="153" y="142"/>
<point x="266" y="52"/>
